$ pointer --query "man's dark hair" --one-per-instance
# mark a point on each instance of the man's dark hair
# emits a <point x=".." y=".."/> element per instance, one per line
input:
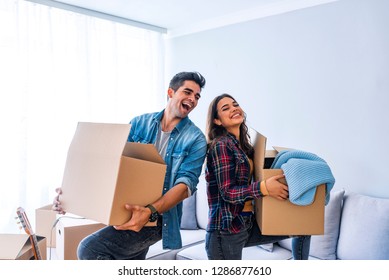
<point x="178" y="80"/>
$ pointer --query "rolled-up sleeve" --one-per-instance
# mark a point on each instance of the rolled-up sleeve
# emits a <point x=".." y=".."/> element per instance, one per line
<point x="191" y="166"/>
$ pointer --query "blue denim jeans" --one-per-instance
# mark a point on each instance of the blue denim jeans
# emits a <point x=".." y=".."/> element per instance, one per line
<point x="111" y="244"/>
<point x="222" y="245"/>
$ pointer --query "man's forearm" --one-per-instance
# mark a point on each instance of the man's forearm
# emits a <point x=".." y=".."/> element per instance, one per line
<point x="174" y="196"/>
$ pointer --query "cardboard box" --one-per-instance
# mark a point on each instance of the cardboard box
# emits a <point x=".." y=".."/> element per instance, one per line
<point x="103" y="172"/>
<point x="70" y="230"/>
<point x="276" y="217"/>
<point x="19" y="247"/>
<point x="45" y="218"/>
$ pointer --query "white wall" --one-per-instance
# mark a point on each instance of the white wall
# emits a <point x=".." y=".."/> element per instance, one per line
<point x="315" y="79"/>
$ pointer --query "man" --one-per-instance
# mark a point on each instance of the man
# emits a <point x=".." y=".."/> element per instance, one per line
<point x="183" y="147"/>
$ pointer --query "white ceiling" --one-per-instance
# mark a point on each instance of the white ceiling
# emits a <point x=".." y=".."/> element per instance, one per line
<point x="181" y="17"/>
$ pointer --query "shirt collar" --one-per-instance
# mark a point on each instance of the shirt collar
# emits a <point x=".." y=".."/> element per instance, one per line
<point x="183" y="122"/>
<point x="232" y="136"/>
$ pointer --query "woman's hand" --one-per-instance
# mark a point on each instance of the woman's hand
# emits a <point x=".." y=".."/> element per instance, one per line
<point x="277" y="189"/>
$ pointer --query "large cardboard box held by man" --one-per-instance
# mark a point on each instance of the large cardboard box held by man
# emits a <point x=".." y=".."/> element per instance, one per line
<point x="103" y="172"/>
<point x="276" y="217"/>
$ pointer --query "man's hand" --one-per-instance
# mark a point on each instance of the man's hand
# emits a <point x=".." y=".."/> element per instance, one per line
<point x="140" y="216"/>
<point x="57" y="203"/>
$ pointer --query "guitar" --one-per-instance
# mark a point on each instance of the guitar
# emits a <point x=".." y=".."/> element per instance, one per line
<point x="28" y="229"/>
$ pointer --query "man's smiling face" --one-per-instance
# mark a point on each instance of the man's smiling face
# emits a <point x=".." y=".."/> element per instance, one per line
<point x="185" y="99"/>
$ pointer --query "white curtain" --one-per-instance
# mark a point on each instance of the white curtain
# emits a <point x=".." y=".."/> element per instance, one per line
<point x="58" y="68"/>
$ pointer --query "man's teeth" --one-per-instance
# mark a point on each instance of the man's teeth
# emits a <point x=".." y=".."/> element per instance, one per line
<point x="188" y="105"/>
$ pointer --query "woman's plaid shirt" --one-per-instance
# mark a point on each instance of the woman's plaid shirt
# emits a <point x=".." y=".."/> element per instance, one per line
<point x="227" y="175"/>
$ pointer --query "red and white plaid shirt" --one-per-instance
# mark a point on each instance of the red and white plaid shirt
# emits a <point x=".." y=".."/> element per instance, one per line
<point x="228" y="184"/>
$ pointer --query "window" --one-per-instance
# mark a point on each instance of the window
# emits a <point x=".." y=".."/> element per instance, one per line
<point x="58" y="68"/>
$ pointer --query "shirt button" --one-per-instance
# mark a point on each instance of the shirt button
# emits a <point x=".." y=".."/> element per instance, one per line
<point x="164" y="225"/>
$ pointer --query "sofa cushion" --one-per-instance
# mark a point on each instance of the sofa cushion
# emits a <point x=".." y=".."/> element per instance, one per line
<point x="268" y="247"/>
<point x="189" y="238"/>
<point x="188" y="219"/>
<point x="197" y="252"/>
<point x="202" y="203"/>
<point x="258" y="253"/>
<point x="324" y="246"/>
<point x="364" y="229"/>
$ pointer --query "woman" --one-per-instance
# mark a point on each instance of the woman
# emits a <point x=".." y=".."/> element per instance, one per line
<point x="231" y="223"/>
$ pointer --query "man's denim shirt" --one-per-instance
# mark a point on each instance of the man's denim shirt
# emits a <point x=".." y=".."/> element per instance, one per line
<point x="184" y="158"/>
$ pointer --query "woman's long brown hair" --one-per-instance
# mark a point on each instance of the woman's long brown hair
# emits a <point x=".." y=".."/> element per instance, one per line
<point x="214" y="131"/>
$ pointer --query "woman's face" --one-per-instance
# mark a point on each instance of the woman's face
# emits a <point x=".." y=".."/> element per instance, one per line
<point x="229" y="113"/>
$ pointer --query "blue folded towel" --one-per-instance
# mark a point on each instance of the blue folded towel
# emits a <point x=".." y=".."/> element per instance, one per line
<point x="304" y="171"/>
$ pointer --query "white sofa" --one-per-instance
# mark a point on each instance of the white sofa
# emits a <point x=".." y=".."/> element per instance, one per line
<point x="356" y="227"/>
